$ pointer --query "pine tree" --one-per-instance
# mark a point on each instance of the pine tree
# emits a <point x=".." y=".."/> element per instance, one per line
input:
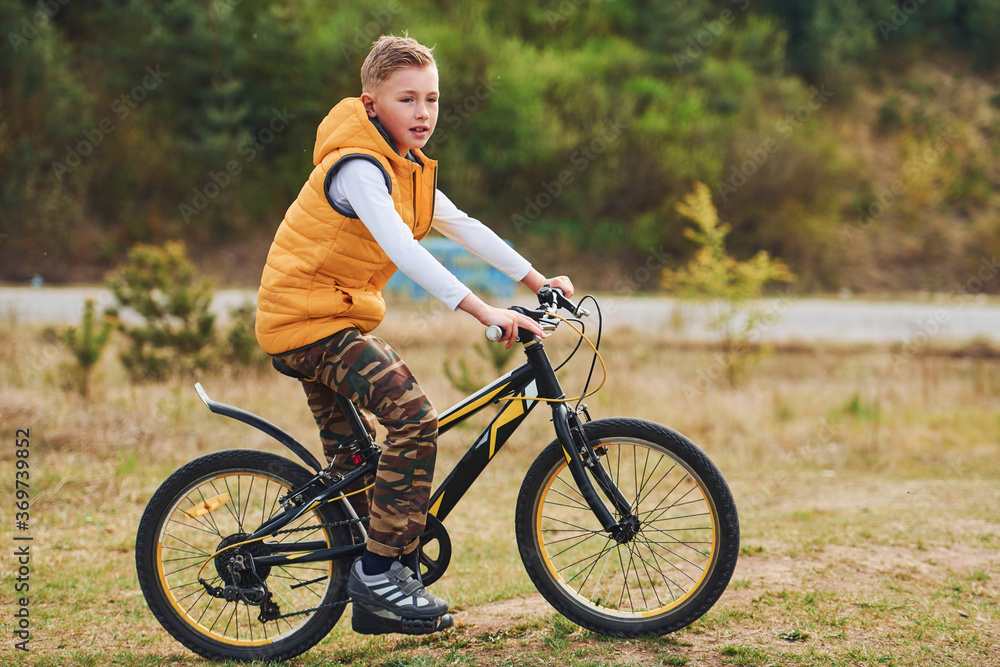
<point x="87" y="344"/>
<point x="163" y="287"/>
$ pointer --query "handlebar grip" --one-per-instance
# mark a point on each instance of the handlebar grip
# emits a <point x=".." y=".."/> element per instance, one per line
<point x="494" y="333"/>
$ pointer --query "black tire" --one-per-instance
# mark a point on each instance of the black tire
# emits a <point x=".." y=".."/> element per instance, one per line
<point x="680" y="559"/>
<point x="181" y="531"/>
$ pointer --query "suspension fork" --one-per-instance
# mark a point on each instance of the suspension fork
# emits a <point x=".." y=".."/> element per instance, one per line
<point x="572" y="448"/>
<point x="593" y="463"/>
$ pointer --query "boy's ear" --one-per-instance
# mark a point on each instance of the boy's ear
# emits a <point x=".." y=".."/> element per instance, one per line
<point x="369" y="103"/>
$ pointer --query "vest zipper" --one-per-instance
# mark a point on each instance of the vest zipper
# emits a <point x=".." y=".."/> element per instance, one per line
<point x="416" y="211"/>
<point x="434" y="193"/>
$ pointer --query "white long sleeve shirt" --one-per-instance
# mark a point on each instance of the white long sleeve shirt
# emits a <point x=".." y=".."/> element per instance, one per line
<point x="360" y="187"/>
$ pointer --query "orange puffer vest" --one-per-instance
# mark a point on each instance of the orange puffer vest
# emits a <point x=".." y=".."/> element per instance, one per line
<point x="324" y="271"/>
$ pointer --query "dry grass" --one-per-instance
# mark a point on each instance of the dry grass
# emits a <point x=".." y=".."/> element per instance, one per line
<point x="867" y="488"/>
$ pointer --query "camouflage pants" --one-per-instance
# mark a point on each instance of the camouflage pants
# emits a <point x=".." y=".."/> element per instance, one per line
<point x="366" y="370"/>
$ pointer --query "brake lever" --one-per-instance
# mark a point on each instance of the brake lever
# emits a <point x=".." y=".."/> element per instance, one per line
<point x="555" y="296"/>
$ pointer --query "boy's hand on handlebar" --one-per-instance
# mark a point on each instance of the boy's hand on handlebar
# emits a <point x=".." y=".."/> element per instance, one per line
<point x="562" y="283"/>
<point x="510" y="321"/>
<point x="536" y="281"/>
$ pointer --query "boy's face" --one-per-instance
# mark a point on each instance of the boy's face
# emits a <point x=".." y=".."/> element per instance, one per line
<point x="407" y="106"/>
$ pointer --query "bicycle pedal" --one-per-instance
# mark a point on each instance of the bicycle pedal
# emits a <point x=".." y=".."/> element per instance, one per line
<point x="369" y="620"/>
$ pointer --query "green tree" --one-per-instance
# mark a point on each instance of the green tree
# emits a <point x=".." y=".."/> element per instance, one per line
<point x="733" y="286"/>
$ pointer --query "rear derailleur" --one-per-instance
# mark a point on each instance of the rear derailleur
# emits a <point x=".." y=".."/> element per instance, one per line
<point x="243" y="584"/>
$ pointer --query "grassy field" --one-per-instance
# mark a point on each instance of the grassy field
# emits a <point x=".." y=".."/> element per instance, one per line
<point x="867" y="483"/>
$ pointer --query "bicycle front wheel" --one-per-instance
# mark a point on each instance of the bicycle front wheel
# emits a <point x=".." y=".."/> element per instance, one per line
<point x="671" y="564"/>
<point x="191" y="542"/>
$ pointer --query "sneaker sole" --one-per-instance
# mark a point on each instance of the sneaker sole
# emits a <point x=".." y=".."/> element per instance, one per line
<point x="371" y="620"/>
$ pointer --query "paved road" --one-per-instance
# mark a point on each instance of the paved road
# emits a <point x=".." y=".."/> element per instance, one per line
<point x="836" y="320"/>
<point x="951" y="318"/>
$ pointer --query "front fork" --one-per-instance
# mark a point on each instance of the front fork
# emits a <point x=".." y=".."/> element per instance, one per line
<point x="576" y="448"/>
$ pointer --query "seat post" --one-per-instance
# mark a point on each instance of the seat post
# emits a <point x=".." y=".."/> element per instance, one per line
<point x="350" y="411"/>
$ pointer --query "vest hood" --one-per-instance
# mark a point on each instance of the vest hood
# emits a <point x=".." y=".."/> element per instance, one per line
<point x="348" y="125"/>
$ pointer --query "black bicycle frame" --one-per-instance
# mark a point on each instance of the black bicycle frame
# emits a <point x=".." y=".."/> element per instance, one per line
<point x="532" y="380"/>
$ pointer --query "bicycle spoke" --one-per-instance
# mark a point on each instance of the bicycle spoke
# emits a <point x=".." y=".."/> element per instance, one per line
<point x="199" y="555"/>
<point x="645" y="568"/>
<point x="246" y="507"/>
<point x="658" y="559"/>
<point x="188" y="544"/>
<point x="603" y="555"/>
<point x="569" y="526"/>
<point x="205" y="519"/>
<point x="214" y="532"/>
<point x="574" y="546"/>
<point x="229" y="506"/>
<point x="666" y="558"/>
<point x="686" y="543"/>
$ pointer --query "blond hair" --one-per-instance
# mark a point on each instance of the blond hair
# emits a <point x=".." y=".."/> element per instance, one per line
<point x="389" y="55"/>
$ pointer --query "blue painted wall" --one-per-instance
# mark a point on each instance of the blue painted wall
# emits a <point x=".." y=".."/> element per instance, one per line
<point x="480" y="277"/>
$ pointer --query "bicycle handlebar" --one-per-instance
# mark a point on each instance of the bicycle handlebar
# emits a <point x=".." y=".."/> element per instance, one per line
<point x="494" y="333"/>
<point x="550" y="299"/>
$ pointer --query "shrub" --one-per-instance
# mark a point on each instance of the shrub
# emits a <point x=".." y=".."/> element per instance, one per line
<point x="734" y="286"/>
<point x="241" y="348"/>
<point x="163" y="287"/>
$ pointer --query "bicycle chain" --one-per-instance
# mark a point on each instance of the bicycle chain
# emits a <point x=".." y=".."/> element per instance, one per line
<point x="345" y="522"/>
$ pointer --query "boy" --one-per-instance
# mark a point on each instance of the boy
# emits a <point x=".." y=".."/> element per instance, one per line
<point x="370" y="198"/>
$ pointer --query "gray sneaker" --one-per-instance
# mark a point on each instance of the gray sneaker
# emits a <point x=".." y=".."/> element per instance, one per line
<point x="394" y="602"/>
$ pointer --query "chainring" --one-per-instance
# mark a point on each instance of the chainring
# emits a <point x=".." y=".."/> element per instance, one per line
<point x="435" y="550"/>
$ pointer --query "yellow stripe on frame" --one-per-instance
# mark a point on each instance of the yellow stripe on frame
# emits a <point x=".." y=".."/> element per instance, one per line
<point x="513" y="410"/>
<point x="471" y="406"/>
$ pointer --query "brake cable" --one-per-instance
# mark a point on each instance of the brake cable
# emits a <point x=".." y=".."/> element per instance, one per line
<point x="597" y="356"/>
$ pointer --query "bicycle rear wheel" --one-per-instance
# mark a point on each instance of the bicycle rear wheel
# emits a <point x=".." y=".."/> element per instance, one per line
<point x="210" y="504"/>
<point x="667" y="570"/>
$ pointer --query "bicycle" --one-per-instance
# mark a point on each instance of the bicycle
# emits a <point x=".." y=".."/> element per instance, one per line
<point x="624" y="525"/>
